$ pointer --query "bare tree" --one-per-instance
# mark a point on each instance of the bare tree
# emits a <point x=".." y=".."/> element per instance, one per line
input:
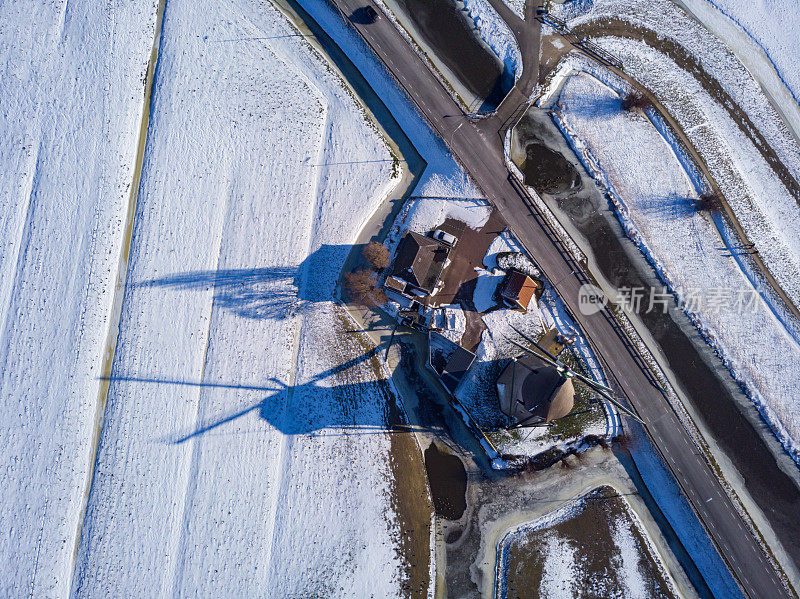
<point x="636" y="100"/>
<point x="376" y="255"/>
<point x="362" y="288"/>
<point x="709" y="202"/>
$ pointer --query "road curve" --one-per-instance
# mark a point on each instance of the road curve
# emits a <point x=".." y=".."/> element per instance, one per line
<point x="477" y="145"/>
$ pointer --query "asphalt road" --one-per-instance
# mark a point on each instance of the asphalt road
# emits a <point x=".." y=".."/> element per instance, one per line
<point x="478" y="147"/>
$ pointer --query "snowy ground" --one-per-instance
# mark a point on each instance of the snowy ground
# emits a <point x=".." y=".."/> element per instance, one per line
<point x="71" y="90"/>
<point x="232" y="455"/>
<point x="592" y="546"/>
<point x="769" y="214"/>
<point x="756" y="340"/>
<point x="764" y="37"/>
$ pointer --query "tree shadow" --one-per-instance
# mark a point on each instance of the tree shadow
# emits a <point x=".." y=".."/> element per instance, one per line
<point x="272" y="292"/>
<point x="595" y="107"/>
<point x="676" y="207"/>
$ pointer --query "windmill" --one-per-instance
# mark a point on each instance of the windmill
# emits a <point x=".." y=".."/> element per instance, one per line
<point x="568" y="374"/>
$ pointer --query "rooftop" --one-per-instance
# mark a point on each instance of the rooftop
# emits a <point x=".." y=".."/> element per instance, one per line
<point x="419" y="260"/>
<point x="518" y="289"/>
<point x="529" y="388"/>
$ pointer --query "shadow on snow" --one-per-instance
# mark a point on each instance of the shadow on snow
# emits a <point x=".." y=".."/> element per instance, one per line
<point x="272" y="292"/>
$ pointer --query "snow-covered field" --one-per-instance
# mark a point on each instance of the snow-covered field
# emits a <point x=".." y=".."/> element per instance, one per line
<point x="231" y="460"/>
<point x="774" y="25"/>
<point x="763" y="35"/>
<point x="622" y="149"/>
<point x="71" y="91"/>
<point x="769" y="214"/>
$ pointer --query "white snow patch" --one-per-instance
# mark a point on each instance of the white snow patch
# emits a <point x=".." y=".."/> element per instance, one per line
<point x="629" y="570"/>
<point x="485" y="288"/>
<point x="560" y="568"/>
<point x="518" y="6"/>
<point x="503" y="243"/>
<point x="771" y="24"/>
<point x="496" y="34"/>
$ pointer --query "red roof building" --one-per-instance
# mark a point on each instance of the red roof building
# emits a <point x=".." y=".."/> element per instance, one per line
<point x="518" y="289"/>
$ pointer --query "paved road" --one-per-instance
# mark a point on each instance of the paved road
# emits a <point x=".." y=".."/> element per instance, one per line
<point x="478" y="147"/>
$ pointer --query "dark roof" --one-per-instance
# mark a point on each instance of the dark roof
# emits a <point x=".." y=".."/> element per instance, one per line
<point x="519" y="288"/>
<point x="456" y="367"/>
<point x="529" y="388"/>
<point x="539" y="387"/>
<point x="419" y="260"/>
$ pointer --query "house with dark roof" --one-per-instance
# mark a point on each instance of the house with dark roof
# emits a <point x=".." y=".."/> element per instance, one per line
<point x="456" y="367"/>
<point x="517" y="289"/>
<point x="532" y="392"/>
<point x="448" y="360"/>
<point x="418" y="263"/>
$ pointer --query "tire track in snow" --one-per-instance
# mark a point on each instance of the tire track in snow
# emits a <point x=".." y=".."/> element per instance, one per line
<point x="119" y="290"/>
<point x="23" y="237"/>
<point x="279" y="465"/>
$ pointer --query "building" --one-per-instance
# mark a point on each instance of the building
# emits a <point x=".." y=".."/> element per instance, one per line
<point x="532" y="392"/>
<point x="517" y="289"/>
<point x="448" y="360"/>
<point x="418" y="263"/>
<point x="456" y="368"/>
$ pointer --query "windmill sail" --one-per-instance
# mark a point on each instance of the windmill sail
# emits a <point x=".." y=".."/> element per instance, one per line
<point x="599" y="388"/>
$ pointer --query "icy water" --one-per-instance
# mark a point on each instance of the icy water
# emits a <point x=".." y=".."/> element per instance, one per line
<point x="726" y="412"/>
<point x="450" y="33"/>
<point x="448" y="481"/>
<point x="547" y="171"/>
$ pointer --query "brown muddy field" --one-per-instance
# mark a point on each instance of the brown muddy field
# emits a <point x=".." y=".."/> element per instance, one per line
<point x="596" y="557"/>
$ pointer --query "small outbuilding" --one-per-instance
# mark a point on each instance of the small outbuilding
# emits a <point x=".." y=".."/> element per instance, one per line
<point x="532" y="392"/>
<point x="448" y="360"/>
<point x="517" y="289"/>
